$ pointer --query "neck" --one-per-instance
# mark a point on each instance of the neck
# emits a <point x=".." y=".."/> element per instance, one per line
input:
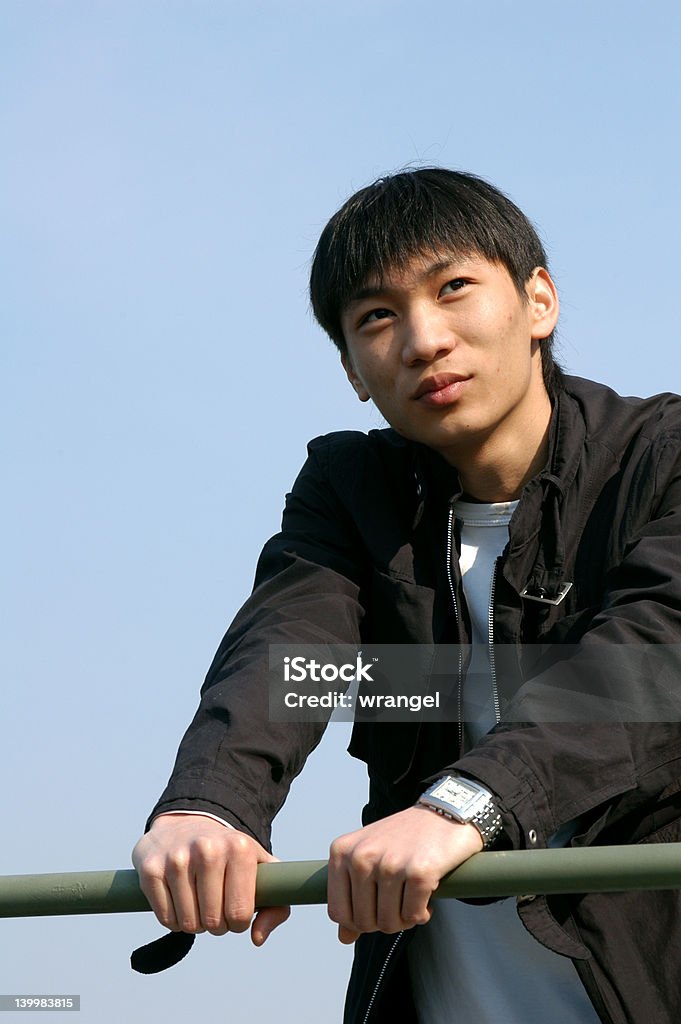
<point x="497" y="468"/>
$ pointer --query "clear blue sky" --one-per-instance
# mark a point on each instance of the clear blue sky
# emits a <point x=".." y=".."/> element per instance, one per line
<point x="166" y="168"/>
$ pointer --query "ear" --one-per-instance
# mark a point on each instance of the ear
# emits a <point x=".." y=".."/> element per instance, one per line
<point x="359" y="388"/>
<point x="544" y="304"/>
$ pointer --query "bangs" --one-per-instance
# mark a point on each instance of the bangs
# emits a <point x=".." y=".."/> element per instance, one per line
<point x="426" y="213"/>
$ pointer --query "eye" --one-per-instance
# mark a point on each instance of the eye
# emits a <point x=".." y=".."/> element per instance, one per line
<point x="375" y="314"/>
<point x="454" y="285"/>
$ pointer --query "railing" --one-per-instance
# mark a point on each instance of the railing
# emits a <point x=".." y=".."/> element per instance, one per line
<point x="512" y="873"/>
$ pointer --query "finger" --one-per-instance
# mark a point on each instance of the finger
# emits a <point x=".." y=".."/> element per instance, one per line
<point x="266" y="920"/>
<point x="150" y="873"/>
<point x="183" y="894"/>
<point x="364" y="902"/>
<point x="160" y="900"/>
<point x="389" y="904"/>
<point x="347" y="935"/>
<point x="416" y="895"/>
<point x="209" y="881"/>
<point x="240" y="879"/>
<point x="339" y="891"/>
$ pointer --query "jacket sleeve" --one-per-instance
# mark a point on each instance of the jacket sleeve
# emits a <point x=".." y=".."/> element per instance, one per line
<point x="233" y="761"/>
<point x="598" y="733"/>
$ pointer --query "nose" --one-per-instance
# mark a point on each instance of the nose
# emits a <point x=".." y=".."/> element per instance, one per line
<point x="426" y="335"/>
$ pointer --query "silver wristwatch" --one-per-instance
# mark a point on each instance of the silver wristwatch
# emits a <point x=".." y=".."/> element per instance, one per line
<point x="467" y="802"/>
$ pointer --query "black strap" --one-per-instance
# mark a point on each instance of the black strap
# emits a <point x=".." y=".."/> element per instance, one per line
<point x="162" y="953"/>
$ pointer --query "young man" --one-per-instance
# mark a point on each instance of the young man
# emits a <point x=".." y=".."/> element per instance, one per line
<point x="506" y="505"/>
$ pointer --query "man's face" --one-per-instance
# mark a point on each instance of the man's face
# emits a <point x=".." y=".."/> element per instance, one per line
<point x="449" y="352"/>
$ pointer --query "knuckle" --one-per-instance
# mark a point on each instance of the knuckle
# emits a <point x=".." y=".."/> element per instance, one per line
<point x="420" y="883"/>
<point x="363" y="921"/>
<point x="392" y="866"/>
<point x="238" y="917"/>
<point x="213" y="923"/>
<point x="416" y="917"/>
<point x="422" y="874"/>
<point x="239" y="924"/>
<point x="218" y="930"/>
<point x="241" y="844"/>
<point x="188" y="923"/>
<point x="338" y="850"/>
<point x="177" y="861"/>
<point x="138" y="852"/>
<point x="168" y="921"/>
<point x="385" y="923"/>
<point x="362" y="872"/>
<point x="339" y="912"/>
<point x="152" y="868"/>
<point x="363" y="861"/>
<point x="206" y="853"/>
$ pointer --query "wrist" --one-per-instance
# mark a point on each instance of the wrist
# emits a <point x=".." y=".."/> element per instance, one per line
<point x="465" y="802"/>
<point x="466" y="836"/>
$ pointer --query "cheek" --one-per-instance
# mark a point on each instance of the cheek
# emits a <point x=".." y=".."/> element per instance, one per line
<point x="378" y="380"/>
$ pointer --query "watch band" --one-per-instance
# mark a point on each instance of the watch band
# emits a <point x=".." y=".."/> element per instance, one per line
<point x="488" y="824"/>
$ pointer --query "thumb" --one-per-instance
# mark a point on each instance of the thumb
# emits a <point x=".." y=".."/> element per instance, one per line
<point x="266" y="920"/>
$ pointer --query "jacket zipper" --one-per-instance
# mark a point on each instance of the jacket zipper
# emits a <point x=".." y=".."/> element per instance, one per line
<point x="452" y="591"/>
<point x="379" y="980"/>
<point x="490" y="641"/>
<point x="460" y="699"/>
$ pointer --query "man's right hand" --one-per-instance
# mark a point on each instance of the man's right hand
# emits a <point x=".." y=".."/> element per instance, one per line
<point x="199" y="875"/>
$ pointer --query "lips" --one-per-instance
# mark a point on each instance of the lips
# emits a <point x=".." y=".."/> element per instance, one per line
<point x="441" y="388"/>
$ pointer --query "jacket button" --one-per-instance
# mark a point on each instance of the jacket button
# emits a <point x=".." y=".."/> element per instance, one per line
<point x="532" y="836"/>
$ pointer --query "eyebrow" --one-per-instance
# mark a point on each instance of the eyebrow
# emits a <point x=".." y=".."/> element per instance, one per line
<point x="431" y="270"/>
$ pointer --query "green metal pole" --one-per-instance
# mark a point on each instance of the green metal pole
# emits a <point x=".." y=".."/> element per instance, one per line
<point x="512" y="873"/>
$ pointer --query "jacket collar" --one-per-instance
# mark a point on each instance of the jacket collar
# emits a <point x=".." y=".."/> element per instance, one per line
<point x="536" y="563"/>
<point x="537" y="528"/>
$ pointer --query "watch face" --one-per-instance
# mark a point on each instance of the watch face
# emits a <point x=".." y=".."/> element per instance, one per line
<point x="456" y="792"/>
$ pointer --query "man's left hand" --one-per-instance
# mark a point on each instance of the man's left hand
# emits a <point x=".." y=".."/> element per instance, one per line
<point x="381" y="878"/>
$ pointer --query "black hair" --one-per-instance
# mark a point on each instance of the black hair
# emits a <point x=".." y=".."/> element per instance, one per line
<point x="430" y="210"/>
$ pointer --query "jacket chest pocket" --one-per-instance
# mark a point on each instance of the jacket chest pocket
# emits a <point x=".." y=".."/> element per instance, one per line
<point x="400" y="611"/>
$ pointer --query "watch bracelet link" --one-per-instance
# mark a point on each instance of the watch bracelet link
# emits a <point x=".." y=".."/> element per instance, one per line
<point x="489" y="824"/>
